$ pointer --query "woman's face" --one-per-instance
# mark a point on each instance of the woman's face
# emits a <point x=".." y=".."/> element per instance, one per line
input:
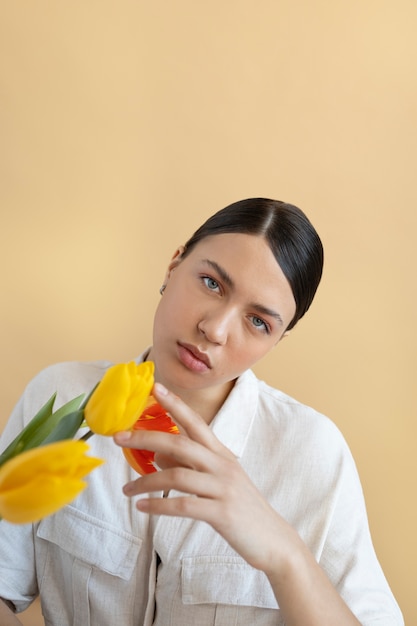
<point x="225" y="305"/>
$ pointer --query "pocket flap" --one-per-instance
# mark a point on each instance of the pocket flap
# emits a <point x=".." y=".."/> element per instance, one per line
<point x="225" y="580"/>
<point x="93" y="541"/>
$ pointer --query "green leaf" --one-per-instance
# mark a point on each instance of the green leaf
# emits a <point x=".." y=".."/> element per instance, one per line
<point x="69" y="407"/>
<point x="41" y="426"/>
<point x="66" y="427"/>
<point x="19" y="443"/>
<point x="50" y="424"/>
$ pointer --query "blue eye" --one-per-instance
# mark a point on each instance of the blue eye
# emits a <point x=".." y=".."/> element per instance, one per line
<point x="210" y="283"/>
<point x="258" y="322"/>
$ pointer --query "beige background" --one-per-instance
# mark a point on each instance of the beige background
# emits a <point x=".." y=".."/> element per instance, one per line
<point x="124" y="124"/>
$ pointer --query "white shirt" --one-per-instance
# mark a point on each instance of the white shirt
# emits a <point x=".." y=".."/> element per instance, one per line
<point x="94" y="563"/>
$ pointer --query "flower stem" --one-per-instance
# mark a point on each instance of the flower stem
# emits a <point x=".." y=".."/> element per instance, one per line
<point x="87" y="435"/>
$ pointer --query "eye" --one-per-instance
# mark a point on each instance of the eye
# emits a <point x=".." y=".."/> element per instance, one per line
<point x="210" y="283"/>
<point x="258" y="322"/>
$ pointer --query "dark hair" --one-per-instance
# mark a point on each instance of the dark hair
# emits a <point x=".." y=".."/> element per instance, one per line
<point x="289" y="234"/>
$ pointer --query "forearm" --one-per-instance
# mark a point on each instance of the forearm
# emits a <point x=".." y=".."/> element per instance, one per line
<point x="304" y="594"/>
<point x="7" y="617"/>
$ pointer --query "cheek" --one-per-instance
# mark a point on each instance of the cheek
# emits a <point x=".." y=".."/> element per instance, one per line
<point x="253" y="354"/>
<point x="244" y="354"/>
<point x="160" y="322"/>
<point x="172" y="311"/>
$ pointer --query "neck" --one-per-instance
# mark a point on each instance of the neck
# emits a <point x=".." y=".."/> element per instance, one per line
<point x="206" y="402"/>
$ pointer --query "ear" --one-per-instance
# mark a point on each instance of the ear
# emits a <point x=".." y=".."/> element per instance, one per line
<point x="175" y="261"/>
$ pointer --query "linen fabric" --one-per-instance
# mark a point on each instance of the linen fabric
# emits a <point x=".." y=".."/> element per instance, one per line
<point x="100" y="562"/>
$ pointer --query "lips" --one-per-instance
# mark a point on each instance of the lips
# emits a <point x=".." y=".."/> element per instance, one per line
<point x="195" y="354"/>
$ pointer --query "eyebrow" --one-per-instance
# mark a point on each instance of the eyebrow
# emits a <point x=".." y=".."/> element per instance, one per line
<point x="227" y="279"/>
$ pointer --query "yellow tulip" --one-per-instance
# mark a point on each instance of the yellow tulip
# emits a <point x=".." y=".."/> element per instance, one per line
<point x="38" y="482"/>
<point x="119" y="398"/>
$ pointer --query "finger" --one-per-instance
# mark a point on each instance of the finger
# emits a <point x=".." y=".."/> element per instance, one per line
<point x="191" y="507"/>
<point x="189" y="422"/>
<point x="182" y="479"/>
<point x="187" y="419"/>
<point x="178" y="447"/>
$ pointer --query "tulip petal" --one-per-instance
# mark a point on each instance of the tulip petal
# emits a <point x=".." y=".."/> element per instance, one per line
<point x="119" y="398"/>
<point x="154" y="417"/>
<point x="43" y="496"/>
<point x="40" y="481"/>
<point x="142" y="461"/>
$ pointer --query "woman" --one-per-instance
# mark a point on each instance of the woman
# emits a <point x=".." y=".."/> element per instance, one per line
<point x="257" y="515"/>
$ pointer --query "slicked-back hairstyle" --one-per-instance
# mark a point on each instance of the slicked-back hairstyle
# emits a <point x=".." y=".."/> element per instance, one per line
<point x="290" y="235"/>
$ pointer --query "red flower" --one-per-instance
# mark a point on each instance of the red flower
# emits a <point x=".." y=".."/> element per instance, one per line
<point x="154" y="417"/>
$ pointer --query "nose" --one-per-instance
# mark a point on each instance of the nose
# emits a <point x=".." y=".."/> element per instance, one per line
<point x="216" y="325"/>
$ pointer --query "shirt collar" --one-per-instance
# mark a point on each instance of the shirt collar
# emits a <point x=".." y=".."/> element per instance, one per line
<point x="233" y="422"/>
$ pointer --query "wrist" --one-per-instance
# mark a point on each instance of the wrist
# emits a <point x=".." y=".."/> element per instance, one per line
<point x="286" y="558"/>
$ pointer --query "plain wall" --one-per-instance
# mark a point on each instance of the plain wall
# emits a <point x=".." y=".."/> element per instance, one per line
<point x="124" y="125"/>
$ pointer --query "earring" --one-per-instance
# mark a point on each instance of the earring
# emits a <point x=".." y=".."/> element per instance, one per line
<point x="161" y="291"/>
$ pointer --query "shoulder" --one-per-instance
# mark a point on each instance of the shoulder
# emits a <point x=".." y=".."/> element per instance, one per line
<point x="70" y="371"/>
<point x="67" y="380"/>
<point x="299" y="425"/>
<point x="305" y="448"/>
<point x="281" y="407"/>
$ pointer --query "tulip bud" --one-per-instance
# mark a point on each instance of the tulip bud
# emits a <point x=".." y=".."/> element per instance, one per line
<point x="119" y="398"/>
<point x="38" y="482"/>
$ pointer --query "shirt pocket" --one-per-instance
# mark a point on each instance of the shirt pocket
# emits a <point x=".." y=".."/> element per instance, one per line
<point x="227" y="580"/>
<point x="92" y="541"/>
<point x="87" y="564"/>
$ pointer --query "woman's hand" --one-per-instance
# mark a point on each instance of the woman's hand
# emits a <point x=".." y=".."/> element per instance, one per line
<point x="219" y="492"/>
<point x="217" y="489"/>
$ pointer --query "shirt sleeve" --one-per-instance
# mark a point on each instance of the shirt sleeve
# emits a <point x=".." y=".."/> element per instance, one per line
<point x="17" y="565"/>
<point x="18" y="580"/>
<point x="349" y="557"/>
<point x="17" y="553"/>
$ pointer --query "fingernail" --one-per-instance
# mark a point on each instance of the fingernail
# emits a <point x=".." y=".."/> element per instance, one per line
<point x="160" y="389"/>
<point x="128" y="488"/>
<point x="123" y="436"/>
